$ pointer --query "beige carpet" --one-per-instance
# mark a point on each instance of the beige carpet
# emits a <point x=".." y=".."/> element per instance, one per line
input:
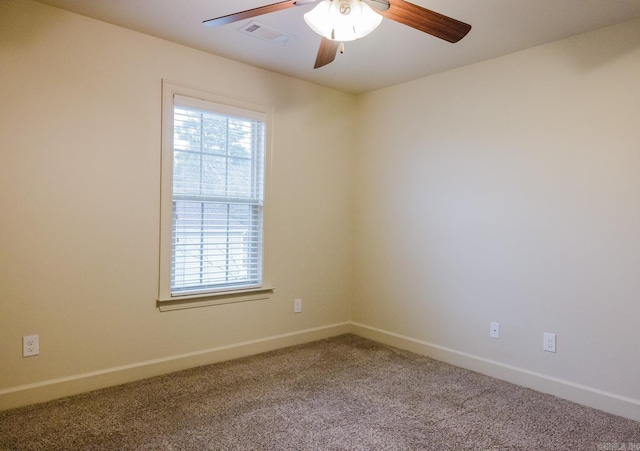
<point x="344" y="393"/>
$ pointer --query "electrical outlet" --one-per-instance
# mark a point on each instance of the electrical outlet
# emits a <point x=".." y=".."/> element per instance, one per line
<point x="494" y="331"/>
<point x="297" y="306"/>
<point x="30" y="345"/>
<point x="549" y="342"/>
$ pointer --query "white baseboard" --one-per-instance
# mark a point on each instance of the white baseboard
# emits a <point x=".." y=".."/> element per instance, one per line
<point x="66" y="386"/>
<point x="57" y="388"/>
<point x="581" y="394"/>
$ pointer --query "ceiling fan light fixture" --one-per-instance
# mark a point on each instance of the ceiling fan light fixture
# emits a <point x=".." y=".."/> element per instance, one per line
<point x="342" y="20"/>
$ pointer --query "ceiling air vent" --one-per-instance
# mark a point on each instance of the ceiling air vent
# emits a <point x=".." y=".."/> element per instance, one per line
<point x="265" y="33"/>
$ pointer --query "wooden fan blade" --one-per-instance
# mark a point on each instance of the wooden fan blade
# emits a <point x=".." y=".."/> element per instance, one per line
<point x="326" y="53"/>
<point x="250" y="13"/>
<point x="425" y="20"/>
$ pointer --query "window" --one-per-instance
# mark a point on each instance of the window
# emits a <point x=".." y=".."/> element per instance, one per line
<point x="212" y="213"/>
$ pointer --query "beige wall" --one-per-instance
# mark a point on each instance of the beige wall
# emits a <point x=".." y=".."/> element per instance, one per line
<point x="509" y="191"/>
<point x="80" y="192"/>
<point x="504" y="191"/>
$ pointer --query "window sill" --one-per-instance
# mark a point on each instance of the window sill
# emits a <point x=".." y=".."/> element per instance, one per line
<point x="207" y="300"/>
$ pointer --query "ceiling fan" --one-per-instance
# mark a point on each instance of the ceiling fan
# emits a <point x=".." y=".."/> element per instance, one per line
<point x="338" y="21"/>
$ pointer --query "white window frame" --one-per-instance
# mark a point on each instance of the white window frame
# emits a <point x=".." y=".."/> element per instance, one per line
<point x="167" y="300"/>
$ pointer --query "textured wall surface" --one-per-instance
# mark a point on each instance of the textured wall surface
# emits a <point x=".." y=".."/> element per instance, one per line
<point x="80" y="123"/>
<point x="508" y="191"/>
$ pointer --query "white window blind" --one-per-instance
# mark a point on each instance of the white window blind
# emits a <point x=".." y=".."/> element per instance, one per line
<point x="217" y="197"/>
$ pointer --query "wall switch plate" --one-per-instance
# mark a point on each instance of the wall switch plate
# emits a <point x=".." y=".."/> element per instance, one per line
<point x="297" y="306"/>
<point x="549" y="342"/>
<point x="30" y="345"/>
<point x="494" y="331"/>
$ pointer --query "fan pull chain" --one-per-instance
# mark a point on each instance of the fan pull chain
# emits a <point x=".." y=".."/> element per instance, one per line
<point x="341" y="47"/>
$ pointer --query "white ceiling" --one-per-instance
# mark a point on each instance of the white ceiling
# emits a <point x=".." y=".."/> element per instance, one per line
<point x="392" y="54"/>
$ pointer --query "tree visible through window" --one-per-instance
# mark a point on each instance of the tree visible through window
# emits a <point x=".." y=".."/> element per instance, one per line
<point x="217" y="198"/>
